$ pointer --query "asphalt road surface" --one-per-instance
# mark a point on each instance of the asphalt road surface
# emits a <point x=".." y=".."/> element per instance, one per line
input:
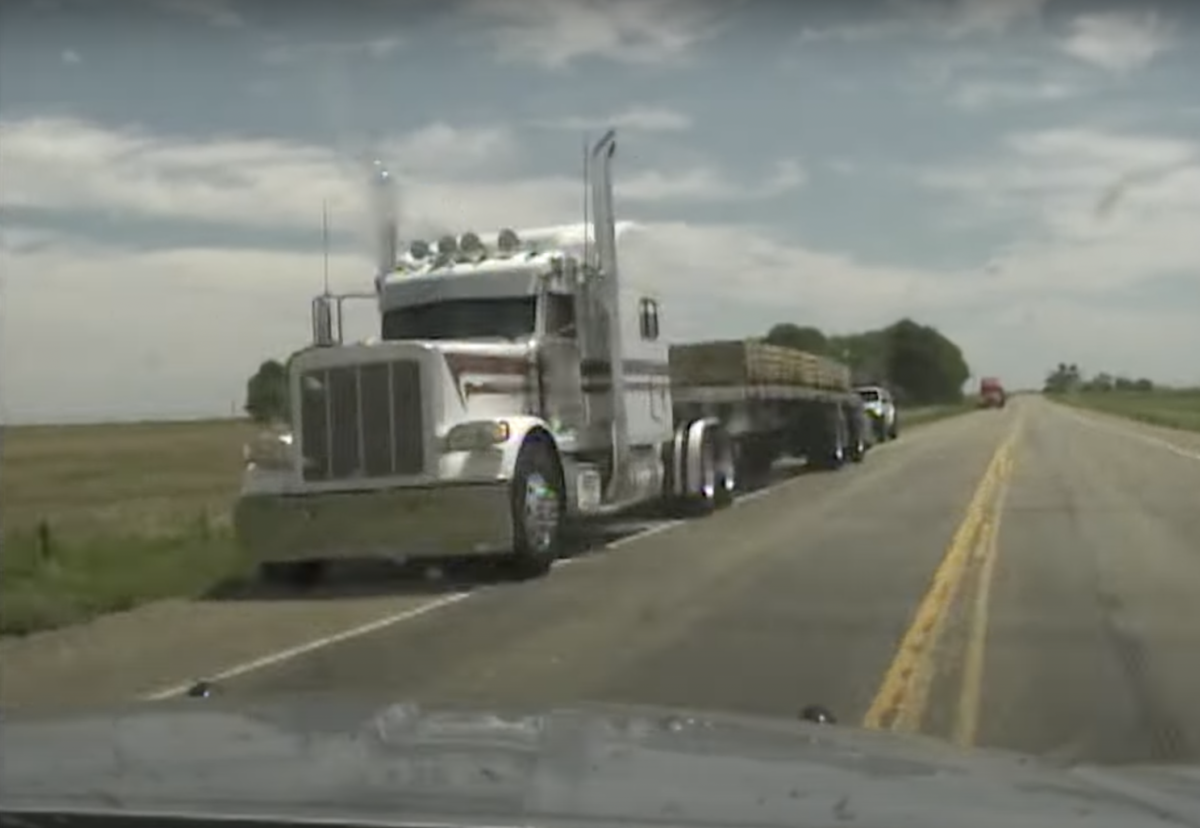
<point x="1026" y="578"/>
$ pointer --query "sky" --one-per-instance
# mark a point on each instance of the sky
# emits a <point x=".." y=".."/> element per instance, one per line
<point x="1023" y="175"/>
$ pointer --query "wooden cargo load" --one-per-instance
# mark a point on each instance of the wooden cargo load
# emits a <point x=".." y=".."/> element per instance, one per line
<point x="752" y="362"/>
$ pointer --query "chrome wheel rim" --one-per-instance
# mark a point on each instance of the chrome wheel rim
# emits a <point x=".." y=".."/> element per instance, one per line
<point x="540" y="513"/>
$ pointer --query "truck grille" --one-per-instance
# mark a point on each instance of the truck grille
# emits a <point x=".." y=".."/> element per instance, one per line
<point x="362" y="421"/>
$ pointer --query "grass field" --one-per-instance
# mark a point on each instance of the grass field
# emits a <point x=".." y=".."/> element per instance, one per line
<point x="100" y="518"/>
<point x="1174" y="409"/>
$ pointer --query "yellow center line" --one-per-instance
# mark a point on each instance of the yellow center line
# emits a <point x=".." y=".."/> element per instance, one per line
<point x="970" y="699"/>
<point x="900" y="702"/>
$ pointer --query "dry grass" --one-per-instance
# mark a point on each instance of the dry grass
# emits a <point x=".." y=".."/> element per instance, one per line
<point x="144" y="479"/>
<point x="98" y="518"/>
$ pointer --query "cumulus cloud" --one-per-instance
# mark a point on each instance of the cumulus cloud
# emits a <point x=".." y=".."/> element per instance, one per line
<point x="554" y="33"/>
<point x="1119" y="41"/>
<point x="62" y="164"/>
<point x="631" y="119"/>
<point x="98" y="331"/>
<point x="1109" y="211"/>
<point x="946" y="19"/>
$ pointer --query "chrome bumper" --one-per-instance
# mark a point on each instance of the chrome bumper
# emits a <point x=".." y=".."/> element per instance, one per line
<point x="428" y="522"/>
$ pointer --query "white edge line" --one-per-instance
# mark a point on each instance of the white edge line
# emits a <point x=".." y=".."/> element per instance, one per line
<point x="1150" y="439"/>
<point x="645" y="533"/>
<point x="407" y="615"/>
<point x="310" y="646"/>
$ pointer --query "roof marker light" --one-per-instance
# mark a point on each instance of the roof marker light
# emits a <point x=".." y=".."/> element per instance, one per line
<point x="472" y="247"/>
<point x="508" y="241"/>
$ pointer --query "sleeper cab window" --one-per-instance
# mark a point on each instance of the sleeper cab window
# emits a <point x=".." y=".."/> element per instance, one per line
<point x="648" y="316"/>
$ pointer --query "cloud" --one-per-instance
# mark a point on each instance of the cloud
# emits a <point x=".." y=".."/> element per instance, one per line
<point x="64" y="164"/>
<point x="631" y="119"/>
<point x="281" y="54"/>
<point x="127" y="333"/>
<point x="555" y="33"/>
<point x="217" y="13"/>
<point x="944" y="19"/>
<point x="709" y="184"/>
<point x="1119" y="41"/>
<point x="1105" y="212"/>
<point x="976" y="95"/>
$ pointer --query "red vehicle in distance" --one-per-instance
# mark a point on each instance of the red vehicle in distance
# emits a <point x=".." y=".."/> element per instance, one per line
<point x="991" y="393"/>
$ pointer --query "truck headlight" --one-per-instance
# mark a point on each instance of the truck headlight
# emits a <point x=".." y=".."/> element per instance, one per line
<point x="270" y="450"/>
<point x="478" y="435"/>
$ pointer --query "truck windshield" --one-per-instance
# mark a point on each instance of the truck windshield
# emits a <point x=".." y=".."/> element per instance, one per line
<point x="869" y="396"/>
<point x="506" y="318"/>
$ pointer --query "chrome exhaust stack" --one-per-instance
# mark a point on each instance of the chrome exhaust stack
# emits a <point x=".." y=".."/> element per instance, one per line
<point x="384" y="215"/>
<point x="605" y="231"/>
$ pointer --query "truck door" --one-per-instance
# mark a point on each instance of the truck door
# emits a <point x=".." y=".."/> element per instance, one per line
<point x="560" y="378"/>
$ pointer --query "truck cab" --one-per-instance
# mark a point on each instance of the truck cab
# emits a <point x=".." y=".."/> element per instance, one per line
<point x="514" y="383"/>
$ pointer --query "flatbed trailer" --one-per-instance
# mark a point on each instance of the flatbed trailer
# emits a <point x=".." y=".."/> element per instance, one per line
<point x="773" y="402"/>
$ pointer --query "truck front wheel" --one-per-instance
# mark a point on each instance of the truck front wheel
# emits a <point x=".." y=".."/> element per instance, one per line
<point x="537" y="509"/>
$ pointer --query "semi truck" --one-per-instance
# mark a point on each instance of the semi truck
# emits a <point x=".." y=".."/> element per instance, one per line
<point x="991" y="393"/>
<point x="520" y="380"/>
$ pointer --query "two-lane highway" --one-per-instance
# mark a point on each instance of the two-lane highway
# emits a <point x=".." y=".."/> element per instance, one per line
<point x="1028" y="578"/>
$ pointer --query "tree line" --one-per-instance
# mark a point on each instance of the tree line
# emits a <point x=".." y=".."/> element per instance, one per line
<point x="1066" y="378"/>
<point x="919" y="364"/>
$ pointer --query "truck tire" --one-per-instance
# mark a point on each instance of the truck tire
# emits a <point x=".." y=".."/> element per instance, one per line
<point x="717" y="473"/>
<point x="537" y="509"/>
<point x="832" y="450"/>
<point x="858" y="450"/>
<point x="857" y="426"/>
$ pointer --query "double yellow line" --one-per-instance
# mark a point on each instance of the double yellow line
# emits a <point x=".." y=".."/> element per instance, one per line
<point x="903" y="696"/>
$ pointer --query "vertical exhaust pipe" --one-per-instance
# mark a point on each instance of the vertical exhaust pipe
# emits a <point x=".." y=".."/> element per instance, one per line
<point x="605" y="231"/>
<point x="384" y="215"/>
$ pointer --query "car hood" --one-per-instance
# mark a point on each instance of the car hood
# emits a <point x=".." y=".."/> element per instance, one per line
<point x="316" y="758"/>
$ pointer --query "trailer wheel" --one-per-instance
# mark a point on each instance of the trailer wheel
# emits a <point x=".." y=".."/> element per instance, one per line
<point x="858" y="451"/>
<point x="725" y="467"/>
<point x="537" y="509"/>
<point x="832" y="452"/>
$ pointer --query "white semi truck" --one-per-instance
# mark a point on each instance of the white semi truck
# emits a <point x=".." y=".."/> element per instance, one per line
<point x="520" y="381"/>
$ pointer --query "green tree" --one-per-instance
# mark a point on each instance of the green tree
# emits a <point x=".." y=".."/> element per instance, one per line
<point x="267" y="396"/>
<point x="1063" y="379"/>
<point x="926" y="366"/>
<point x="917" y="362"/>
<point x="802" y="338"/>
